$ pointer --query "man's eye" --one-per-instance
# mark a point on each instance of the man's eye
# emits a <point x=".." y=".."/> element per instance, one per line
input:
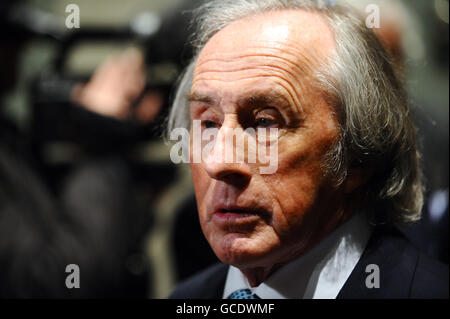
<point x="265" y="122"/>
<point x="209" y="124"/>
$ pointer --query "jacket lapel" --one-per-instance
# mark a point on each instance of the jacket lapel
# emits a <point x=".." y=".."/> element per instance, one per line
<point x="396" y="260"/>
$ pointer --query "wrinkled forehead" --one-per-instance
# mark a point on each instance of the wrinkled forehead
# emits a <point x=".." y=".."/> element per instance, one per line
<point x="302" y="37"/>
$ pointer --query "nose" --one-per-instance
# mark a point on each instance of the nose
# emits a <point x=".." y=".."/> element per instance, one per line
<point x="223" y="167"/>
<point x="230" y="173"/>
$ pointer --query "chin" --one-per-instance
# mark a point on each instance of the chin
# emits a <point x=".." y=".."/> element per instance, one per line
<point x="241" y="252"/>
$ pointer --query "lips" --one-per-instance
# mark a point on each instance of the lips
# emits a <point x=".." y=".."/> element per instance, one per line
<point x="236" y="209"/>
<point x="235" y="212"/>
<point x="226" y="215"/>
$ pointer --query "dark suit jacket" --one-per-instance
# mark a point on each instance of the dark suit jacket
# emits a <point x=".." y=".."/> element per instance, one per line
<point x="404" y="273"/>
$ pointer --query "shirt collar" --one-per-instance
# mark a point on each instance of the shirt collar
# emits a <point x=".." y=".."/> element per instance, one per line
<point x="320" y="273"/>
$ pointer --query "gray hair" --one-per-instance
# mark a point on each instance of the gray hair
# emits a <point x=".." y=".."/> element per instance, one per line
<point x="376" y="128"/>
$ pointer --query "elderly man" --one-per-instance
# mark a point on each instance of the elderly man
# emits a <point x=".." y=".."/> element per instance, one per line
<point x="321" y="224"/>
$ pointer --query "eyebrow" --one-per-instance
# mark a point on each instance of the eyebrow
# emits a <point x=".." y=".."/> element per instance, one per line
<point x="198" y="97"/>
<point x="265" y="99"/>
<point x="252" y="100"/>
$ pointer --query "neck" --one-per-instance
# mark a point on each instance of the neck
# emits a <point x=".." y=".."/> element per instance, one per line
<point x="256" y="276"/>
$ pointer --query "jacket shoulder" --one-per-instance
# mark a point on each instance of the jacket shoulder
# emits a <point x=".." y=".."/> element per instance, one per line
<point x="403" y="272"/>
<point x="208" y="284"/>
<point x="431" y="279"/>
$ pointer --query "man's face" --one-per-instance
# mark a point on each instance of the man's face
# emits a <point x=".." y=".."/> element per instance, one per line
<point x="257" y="72"/>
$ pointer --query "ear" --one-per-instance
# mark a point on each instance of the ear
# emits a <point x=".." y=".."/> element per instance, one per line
<point x="357" y="176"/>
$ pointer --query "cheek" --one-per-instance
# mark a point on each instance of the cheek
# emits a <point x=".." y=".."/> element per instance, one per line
<point x="201" y="182"/>
<point x="297" y="185"/>
<point x="294" y="195"/>
<point x="196" y="172"/>
<point x="202" y="186"/>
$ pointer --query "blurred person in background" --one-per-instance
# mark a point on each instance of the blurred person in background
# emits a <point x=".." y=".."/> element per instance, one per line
<point x="116" y="84"/>
<point x="95" y="219"/>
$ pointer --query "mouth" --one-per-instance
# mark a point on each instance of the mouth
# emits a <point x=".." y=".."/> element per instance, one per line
<point x="226" y="216"/>
<point x="235" y="212"/>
